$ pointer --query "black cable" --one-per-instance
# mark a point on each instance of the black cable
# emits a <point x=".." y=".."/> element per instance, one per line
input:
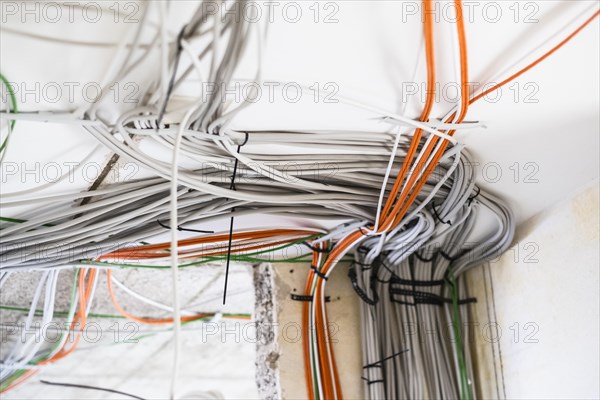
<point x="438" y="216"/>
<point x="73" y="385"/>
<point x="379" y="364"/>
<point x="172" y="80"/>
<point x="181" y="229"/>
<point x="231" y="187"/>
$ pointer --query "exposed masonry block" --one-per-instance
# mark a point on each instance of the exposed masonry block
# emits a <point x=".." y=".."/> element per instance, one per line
<point x="280" y="364"/>
<point x="267" y="348"/>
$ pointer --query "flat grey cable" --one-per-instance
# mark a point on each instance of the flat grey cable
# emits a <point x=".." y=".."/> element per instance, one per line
<point x="454" y="223"/>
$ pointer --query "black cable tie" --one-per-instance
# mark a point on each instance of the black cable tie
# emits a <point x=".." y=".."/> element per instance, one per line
<point x="420" y="257"/>
<point x="395" y="279"/>
<point x="163" y="225"/>
<point x="381" y="280"/>
<point x="426" y="298"/>
<point x="316" y="249"/>
<point x="306" y="297"/>
<point x="404" y="303"/>
<point x="380" y="362"/>
<point x="470" y="200"/>
<point x="414" y="293"/>
<point x="245" y="139"/>
<point x="181" y="229"/>
<point x="361" y="231"/>
<point x="438" y="216"/>
<point x="450" y="258"/>
<point x="319" y="273"/>
<point x="361" y="293"/>
<point x="371" y="382"/>
<point x="393" y="274"/>
<point x="388" y="268"/>
<point x="418" y="297"/>
<point x="299" y="297"/>
<point x="412" y="282"/>
<point x="376" y="277"/>
<point x="361" y="264"/>
<point x="431" y="300"/>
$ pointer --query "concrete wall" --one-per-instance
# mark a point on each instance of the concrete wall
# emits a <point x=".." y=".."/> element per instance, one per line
<point x="134" y="358"/>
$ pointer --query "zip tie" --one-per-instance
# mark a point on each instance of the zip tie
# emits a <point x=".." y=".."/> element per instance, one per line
<point x="425" y="298"/>
<point x="470" y="199"/>
<point x="450" y="258"/>
<point x="378" y="364"/>
<point x="371" y="382"/>
<point x="306" y="297"/>
<point x="316" y="249"/>
<point x="411" y="282"/>
<point x="319" y="273"/>
<point x="361" y="293"/>
<point x="438" y="216"/>
<point x="181" y="229"/>
<point x="420" y="257"/>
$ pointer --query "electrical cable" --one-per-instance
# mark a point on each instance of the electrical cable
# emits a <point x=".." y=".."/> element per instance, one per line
<point x="409" y="254"/>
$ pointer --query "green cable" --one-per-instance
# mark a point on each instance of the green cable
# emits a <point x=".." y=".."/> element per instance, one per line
<point x="13" y="220"/>
<point x="314" y="348"/>
<point x="234" y="257"/>
<point x="9" y="381"/>
<point x="465" y="392"/>
<point x="13" y="101"/>
<point x="302" y="258"/>
<point x="237" y="257"/>
<point x="38" y="313"/>
<point x="19" y="221"/>
<point x="17" y="374"/>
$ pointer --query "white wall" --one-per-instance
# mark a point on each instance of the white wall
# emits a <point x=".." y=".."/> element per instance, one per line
<point x="538" y="326"/>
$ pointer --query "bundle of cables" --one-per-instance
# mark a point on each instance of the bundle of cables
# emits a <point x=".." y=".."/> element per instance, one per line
<point x="408" y="196"/>
<point x="397" y="285"/>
